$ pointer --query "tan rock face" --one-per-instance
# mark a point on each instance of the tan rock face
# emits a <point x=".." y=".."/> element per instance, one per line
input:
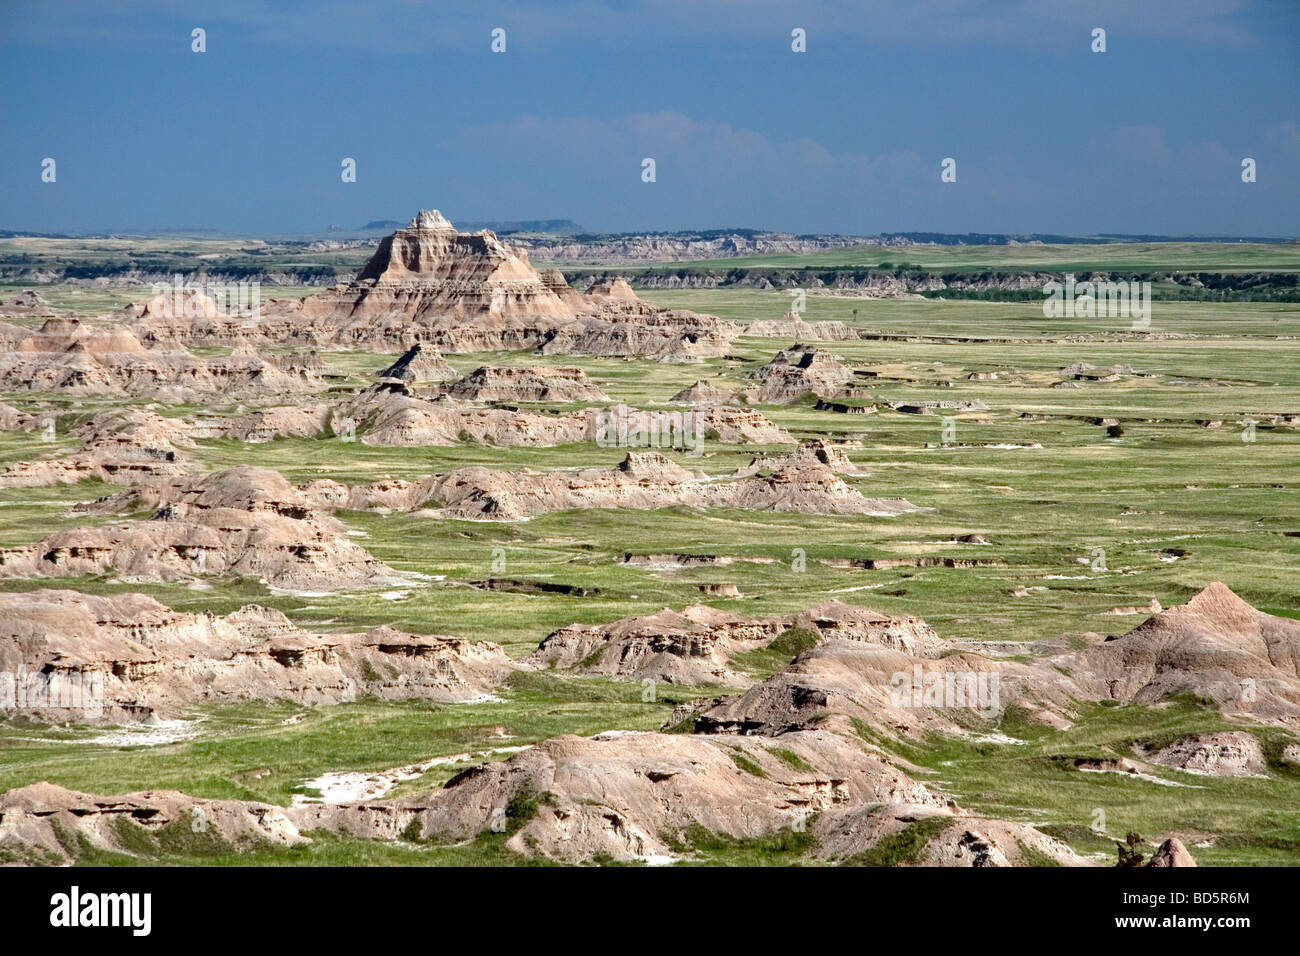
<point x="120" y="446"/>
<point x="691" y="647"/>
<point x="430" y="270"/>
<point x="1215" y="646"/>
<point x="961" y="840"/>
<point x="417" y="366"/>
<point x="799" y="371"/>
<point x="73" y="656"/>
<point x="624" y="794"/>
<point x="430" y="285"/>
<point x="68" y="357"/>
<point x="703" y="393"/>
<point x="642" y="481"/>
<point x="245" y="521"/>
<point x="1234" y="753"/>
<point x="35" y="816"/>
<point x="793" y="326"/>
<point x="535" y="384"/>
<point x="1172" y="853"/>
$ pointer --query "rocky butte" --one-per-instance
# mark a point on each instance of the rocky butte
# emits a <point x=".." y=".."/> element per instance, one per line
<point x="428" y="284"/>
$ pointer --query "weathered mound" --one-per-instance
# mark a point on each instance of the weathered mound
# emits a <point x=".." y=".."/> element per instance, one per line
<point x="88" y="658"/>
<point x="691" y="647"/>
<point x="695" y="646"/>
<point x="245" y="488"/>
<point x="637" y="795"/>
<point x="837" y="621"/>
<point x="703" y="393"/>
<point x="950" y="839"/>
<point x="888" y="689"/>
<point x="417" y="367"/>
<point x="120" y="446"/>
<point x="1216" y="647"/>
<point x="815" y="452"/>
<point x="1172" y="853"/>
<point x="793" y="326"/>
<point x="1234" y="753"/>
<point x="622" y="329"/>
<point x="245" y="521"/>
<point x="643" y="481"/>
<point x="390" y="415"/>
<point x="41" y="820"/>
<point x="796" y="372"/>
<point x="615" y="288"/>
<point x="626" y="427"/>
<point x="27" y="302"/>
<point x="13" y="420"/>
<point x="282" y="421"/>
<point x="529" y="384"/>
<point x="75" y="359"/>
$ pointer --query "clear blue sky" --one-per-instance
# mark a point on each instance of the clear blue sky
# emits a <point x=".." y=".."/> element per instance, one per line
<point x="1048" y="136"/>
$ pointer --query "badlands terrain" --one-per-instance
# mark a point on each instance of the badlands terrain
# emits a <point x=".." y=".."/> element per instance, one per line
<point x="832" y="554"/>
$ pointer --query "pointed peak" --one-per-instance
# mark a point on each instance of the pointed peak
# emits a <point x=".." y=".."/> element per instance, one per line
<point x="431" y="220"/>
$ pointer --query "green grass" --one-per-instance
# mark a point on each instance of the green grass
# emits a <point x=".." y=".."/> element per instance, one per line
<point x="1168" y="485"/>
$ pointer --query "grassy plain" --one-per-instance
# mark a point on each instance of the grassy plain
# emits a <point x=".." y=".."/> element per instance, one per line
<point x="1086" y="521"/>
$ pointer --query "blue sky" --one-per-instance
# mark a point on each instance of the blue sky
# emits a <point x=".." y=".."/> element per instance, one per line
<point x="1048" y="136"/>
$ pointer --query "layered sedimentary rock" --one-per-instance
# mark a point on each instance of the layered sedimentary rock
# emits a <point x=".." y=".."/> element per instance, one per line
<point x="641" y="481"/>
<point x="72" y="656"/>
<point x="798" y="371"/>
<point x="390" y="415"/>
<point x="1231" y="753"/>
<point x="244" y="521"/>
<point x="282" y="421"/>
<point x="690" y="647"/>
<point x="814" y="452"/>
<point x="695" y="645"/>
<point x="41" y="817"/>
<point x="792" y="325"/>
<point x="703" y="393"/>
<point x="428" y="284"/>
<point x="119" y="446"/>
<point x="69" y="357"/>
<point x="1216" y="647"/>
<point x="529" y="384"/>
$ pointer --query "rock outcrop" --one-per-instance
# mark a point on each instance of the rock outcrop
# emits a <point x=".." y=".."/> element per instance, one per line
<point x="691" y="647"/>
<point x="531" y="384"/>
<point x="418" y="367"/>
<point x="792" y="325"/>
<point x="1232" y="753"/>
<point x="69" y="357"/>
<point x="119" y="446"/>
<point x="703" y="393"/>
<point x="41" y="820"/>
<point x="798" y="371"/>
<point x="1172" y="853"/>
<point x="1216" y="647"/>
<point x="427" y="284"/>
<point x="69" y="656"/>
<point x="242" y="521"/>
<point x="643" y="481"/>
